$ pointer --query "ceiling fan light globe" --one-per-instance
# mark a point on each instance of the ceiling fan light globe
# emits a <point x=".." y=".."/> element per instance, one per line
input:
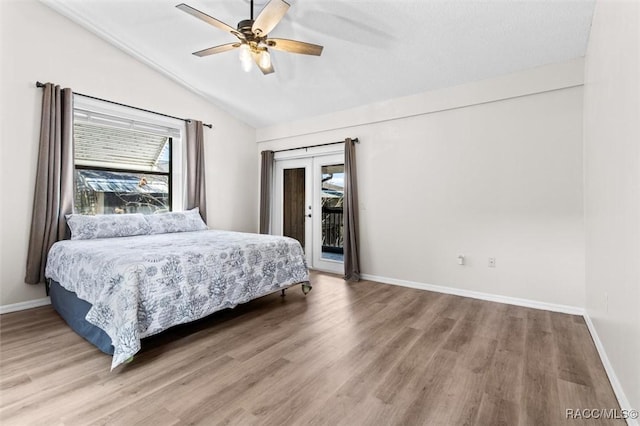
<point x="265" y="59"/>
<point x="245" y="58"/>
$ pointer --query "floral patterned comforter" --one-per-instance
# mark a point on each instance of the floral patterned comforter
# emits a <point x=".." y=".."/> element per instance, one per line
<point x="142" y="285"/>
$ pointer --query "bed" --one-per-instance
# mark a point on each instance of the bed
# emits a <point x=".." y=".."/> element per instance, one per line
<point x="135" y="286"/>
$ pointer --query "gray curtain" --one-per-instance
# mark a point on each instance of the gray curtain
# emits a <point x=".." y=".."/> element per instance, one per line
<point x="53" y="195"/>
<point x="351" y="213"/>
<point x="266" y="175"/>
<point x="196" y="190"/>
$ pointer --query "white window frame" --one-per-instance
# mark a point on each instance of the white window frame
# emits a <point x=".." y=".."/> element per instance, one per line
<point x="136" y="119"/>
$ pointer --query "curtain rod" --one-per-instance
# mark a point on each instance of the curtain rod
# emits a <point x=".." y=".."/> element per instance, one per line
<point x="39" y="84"/>
<point x="314" y="146"/>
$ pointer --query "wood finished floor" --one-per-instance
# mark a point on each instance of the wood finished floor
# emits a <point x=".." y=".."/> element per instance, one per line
<point x="352" y="354"/>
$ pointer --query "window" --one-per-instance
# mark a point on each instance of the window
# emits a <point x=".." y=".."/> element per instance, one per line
<point x="123" y="165"/>
<point x="332" y="199"/>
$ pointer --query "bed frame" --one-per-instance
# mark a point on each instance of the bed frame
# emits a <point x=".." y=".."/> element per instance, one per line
<point x="74" y="310"/>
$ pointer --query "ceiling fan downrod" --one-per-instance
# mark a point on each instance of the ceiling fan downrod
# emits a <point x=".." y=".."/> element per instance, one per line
<point x="244" y="26"/>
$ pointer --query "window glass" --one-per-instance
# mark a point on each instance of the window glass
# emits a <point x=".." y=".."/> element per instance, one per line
<point x="332" y="215"/>
<point x="106" y="192"/>
<point x="119" y="170"/>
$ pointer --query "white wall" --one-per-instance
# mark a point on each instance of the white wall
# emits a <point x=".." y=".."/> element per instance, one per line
<point x="488" y="169"/>
<point x="612" y="188"/>
<point x="39" y="44"/>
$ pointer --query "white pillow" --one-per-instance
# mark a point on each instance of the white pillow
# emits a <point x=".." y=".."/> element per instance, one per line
<point x="86" y="227"/>
<point x="187" y="221"/>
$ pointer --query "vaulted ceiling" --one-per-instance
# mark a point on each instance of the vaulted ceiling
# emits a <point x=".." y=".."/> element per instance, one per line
<point x="373" y="50"/>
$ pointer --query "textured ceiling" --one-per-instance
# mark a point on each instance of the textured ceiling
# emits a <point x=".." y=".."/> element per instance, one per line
<point x="374" y="50"/>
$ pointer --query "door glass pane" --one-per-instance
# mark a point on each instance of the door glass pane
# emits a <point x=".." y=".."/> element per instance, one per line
<point x="293" y="204"/>
<point x="332" y="201"/>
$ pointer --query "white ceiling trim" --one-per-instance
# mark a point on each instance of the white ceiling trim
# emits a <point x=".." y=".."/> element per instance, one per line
<point x="524" y="83"/>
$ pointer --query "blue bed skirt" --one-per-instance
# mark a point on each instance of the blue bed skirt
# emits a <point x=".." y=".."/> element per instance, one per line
<point x="74" y="310"/>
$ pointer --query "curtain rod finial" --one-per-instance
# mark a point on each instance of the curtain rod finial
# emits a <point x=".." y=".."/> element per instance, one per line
<point x="38" y="84"/>
<point x="188" y="120"/>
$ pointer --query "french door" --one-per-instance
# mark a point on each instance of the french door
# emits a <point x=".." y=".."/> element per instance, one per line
<point x="308" y="199"/>
<point x="293" y="202"/>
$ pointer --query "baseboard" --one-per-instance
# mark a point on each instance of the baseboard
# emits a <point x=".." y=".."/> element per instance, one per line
<point x="573" y="310"/>
<point x="613" y="379"/>
<point x="21" y="306"/>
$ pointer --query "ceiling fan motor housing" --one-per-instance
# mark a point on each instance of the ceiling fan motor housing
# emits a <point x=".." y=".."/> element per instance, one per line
<point x="244" y="27"/>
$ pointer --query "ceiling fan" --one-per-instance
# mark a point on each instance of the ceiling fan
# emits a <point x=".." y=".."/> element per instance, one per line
<point x="252" y="35"/>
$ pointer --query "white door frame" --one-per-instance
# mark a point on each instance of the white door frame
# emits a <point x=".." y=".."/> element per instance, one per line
<point x="312" y="160"/>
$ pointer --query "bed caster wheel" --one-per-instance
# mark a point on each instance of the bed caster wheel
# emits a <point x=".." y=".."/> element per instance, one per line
<point x="306" y="288"/>
<point x="283" y="292"/>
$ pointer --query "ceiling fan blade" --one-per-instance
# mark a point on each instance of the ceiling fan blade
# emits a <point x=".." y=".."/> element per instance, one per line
<point x="209" y="19"/>
<point x="267" y="20"/>
<point x="217" y="49"/>
<point x="295" y="46"/>
<point x="265" y="69"/>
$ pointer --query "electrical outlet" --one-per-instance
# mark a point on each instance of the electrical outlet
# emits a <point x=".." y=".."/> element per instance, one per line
<point x="492" y="262"/>
<point x="461" y="259"/>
